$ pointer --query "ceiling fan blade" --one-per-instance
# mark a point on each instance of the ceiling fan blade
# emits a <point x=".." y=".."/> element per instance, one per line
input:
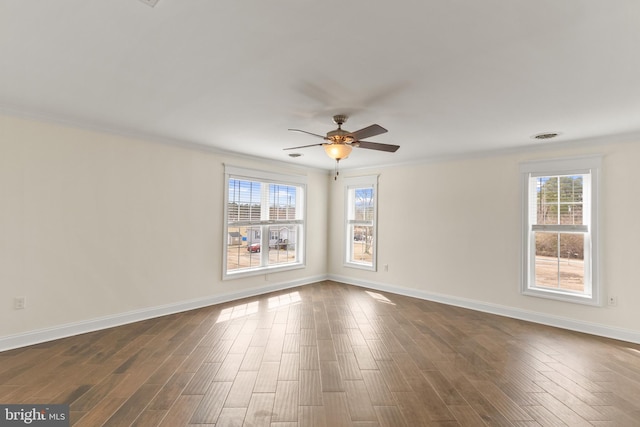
<point x="303" y="146"/>
<point x="309" y="133"/>
<point x="368" y="132"/>
<point x="377" y="146"/>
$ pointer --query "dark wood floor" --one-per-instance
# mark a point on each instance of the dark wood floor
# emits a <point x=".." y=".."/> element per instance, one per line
<point x="333" y="355"/>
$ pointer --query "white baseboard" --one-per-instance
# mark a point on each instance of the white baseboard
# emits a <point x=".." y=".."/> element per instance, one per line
<point x="70" y="329"/>
<point x="501" y="310"/>
<point x="91" y="325"/>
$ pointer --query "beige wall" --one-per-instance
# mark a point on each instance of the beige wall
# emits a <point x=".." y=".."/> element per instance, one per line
<point x="94" y="225"/>
<point x="452" y="228"/>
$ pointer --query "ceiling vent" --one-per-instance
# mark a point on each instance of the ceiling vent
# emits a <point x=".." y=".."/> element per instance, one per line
<point x="149" y="2"/>
<point x="547" y="135"/>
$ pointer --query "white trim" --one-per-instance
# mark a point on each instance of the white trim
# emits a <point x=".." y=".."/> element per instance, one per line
<point x="76" y="328"/>
<point x="361" y="181"/>
<point x="562" y="165"/>
<point x="597" y="329"/>
<point x="264" y="175"/>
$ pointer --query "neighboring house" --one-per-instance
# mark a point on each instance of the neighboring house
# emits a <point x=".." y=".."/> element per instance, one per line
<point x="276" y="236"/>
<point x="234" y="238"/>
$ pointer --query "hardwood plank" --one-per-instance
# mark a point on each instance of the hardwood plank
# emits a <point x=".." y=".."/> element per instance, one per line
<point x="560" y="410"/>
<point x="229" y="368"/>
<point x="309" y="359"/>
<point x="181" y="411"/>
<point x="275" y="343"/>
<point x="99" y="413"/>
<point x="252" y="359"/>
<point x="241" y="390"/>
<point x="171" y="391"/>
<point x="392" y="375"/>
<point x="330" y="376"/>
<point x="349" y="368"/>
<point x="310" y="388"/>
<point x="379" y="393"/>
<point x="289" y="367"/>
<point x="133" y="407"/>
<point x="364" y="357"/>
<point x="260" y="410"/>
<point x="358" y="401"/>
<point x="312" y="416"/>
<point x="390" y="416"/>
<point x="326" y="350"/>
<point x="150" y="417"/>
<point x="336" y="409"/>
<point x="202" y="379"/>
<point x="267" y="378"/>
<point x="231" y="417"/>
<point x="286" y="402"/>
<point x="211" y="403"/>
<point x="291" y="343"/>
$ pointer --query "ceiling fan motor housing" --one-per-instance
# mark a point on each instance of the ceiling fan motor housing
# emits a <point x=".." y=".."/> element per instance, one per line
<point x="340" y="136"/>
<point x="340" y="119"/>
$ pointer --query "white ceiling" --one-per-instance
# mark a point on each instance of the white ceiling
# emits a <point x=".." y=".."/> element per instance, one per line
<point x="445" y="77"/>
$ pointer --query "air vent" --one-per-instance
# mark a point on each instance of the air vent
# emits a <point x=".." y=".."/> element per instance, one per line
<point x="151" y="3"/>
<point x="546" y="135"/>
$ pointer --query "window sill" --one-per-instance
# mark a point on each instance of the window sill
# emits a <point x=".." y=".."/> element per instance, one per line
<point x="259" y="272"/>
<point x="563" y="296"/>
<point x="367" y="267"/>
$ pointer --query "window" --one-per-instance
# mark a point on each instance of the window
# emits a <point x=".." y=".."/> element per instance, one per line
<point x="361" y="211"/>
<point x="265" y="222"/>
<point x="560" y="244"/>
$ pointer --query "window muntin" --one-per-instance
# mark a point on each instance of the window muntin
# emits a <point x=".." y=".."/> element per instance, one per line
<point x="560" y="244"/>
<point x="264" y="222"/>
<point x="361" y="211"/>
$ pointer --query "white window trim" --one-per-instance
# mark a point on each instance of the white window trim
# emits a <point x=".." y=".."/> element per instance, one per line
<point x="591" y="165"/>
<point x="236" y="172"/>
<point x="370" y="181"/>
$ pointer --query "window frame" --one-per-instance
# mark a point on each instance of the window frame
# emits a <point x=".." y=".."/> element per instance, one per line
<point x="588" y="166"/>
<point x="265" y="177"/>
<point x="353" y="183"/>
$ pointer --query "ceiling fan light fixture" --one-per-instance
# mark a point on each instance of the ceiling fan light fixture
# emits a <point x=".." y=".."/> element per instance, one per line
<point x="337" y="151"/>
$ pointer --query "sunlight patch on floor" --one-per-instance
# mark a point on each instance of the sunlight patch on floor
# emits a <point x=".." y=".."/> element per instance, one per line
<point x="378" y="297"/>
<point x="238" y="311"/>
<point x="282" y="300"/>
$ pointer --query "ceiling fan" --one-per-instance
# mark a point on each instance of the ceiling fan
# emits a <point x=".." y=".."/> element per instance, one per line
<point x="339" y="142"/>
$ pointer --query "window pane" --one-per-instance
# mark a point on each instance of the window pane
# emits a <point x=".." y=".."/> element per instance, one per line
<point x="282" y="202"/>
<point x="361" y="244"/>
<point x="560" y="261"/>
<point x="364" y="208"/>
<point x="559" y="200"/>
<point x="243" y="248"/>
<point x="244" y="201"/>
<point x="282" y="244"/>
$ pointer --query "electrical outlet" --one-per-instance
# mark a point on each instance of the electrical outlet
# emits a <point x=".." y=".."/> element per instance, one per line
<point x="613" y="300"/>
<point x="19" y="303"/>
<point x="386" y="267"/>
